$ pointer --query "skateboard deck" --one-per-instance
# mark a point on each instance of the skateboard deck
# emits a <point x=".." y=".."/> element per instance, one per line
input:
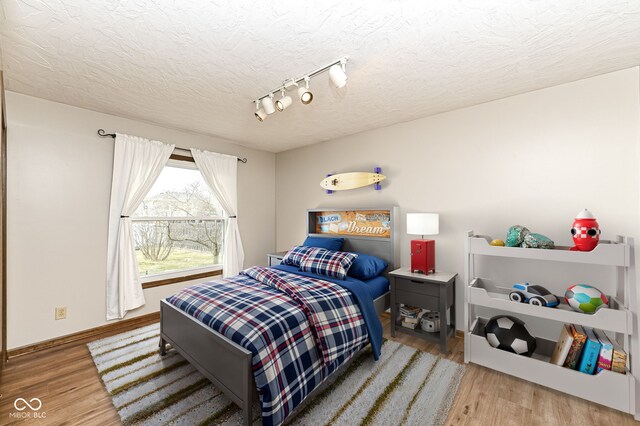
<point x="353" y="180"/>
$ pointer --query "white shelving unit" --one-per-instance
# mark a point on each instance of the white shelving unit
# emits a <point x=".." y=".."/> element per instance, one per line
<point x="619" y="391"/>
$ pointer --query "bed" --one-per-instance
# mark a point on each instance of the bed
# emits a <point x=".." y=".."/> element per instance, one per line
<point x="230" y="365"/>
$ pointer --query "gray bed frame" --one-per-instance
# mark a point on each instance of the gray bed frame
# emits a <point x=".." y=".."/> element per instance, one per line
<point x="228" y="365"/>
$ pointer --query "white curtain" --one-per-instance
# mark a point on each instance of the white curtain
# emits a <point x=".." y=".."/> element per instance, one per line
<point x="221" y="173"/>
<point x="137" y="163"/>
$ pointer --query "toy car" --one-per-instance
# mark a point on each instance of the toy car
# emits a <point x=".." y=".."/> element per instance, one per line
<point x="533" y="294"/>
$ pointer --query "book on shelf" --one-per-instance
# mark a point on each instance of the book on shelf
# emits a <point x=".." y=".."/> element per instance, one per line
<point x="619" y="359"/>
<point x="606" y="352"/>
<point x="579" y="337"/>
<point x="590" y="352"/>
<point x="563" y="346"/>
<point x="411" y="325"/>
<point x="409" y="311"/>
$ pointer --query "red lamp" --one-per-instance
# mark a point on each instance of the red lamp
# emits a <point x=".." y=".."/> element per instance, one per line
<point x="423" y="252"/>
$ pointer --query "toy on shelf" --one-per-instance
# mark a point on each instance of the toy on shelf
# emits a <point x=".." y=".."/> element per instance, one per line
<point x="534" y="295"/>
<point x="585" y="231"/>
<point x="515" y="235"/>
<point x="510" y="334"/>
<point x="497" y="243"/>
<point x="520" y="236"/>
<point x="585" y="298"/>
<point x="430" y="322"/>
<point x="533" y="240"/>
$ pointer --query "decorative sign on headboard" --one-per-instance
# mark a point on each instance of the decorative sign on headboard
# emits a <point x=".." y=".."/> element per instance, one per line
<point x="366" y="223"/>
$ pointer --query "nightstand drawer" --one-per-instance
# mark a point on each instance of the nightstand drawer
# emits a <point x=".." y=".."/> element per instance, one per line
<point x="415" y="286"/>
<point x="415" y="299"/>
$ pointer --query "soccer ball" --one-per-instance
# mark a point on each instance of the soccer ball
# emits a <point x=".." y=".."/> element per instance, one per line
<point x="585" y="298"/>
<point x="510" y="334"/>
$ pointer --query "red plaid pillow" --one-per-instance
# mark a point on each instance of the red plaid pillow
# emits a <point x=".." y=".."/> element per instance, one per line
<point x="327" y="262"/>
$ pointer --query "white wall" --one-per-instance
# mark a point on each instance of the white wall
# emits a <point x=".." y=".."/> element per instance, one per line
<point x="59" y="179"/>
<point x="535" y="159"/>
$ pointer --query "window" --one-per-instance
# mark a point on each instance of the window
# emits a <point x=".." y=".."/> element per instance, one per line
<point x="178" y="230"/>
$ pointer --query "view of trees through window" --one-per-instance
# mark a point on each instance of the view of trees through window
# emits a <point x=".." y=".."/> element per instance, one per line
<point x="179" y="225"/>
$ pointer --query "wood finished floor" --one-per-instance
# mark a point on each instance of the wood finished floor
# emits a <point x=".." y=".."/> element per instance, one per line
<point x="66" y="381"/>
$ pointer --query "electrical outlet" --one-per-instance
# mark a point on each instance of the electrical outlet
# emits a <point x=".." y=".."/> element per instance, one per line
<point x="61" y="312"/>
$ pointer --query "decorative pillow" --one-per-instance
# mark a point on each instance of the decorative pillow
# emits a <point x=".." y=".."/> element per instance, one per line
<point x="295" y="255"/>
<point x="328" y="243"/>
<point x="366" y="267"/>
<point x="327" y="262"/>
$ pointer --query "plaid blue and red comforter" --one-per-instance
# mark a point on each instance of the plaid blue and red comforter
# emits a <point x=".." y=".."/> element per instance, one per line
<point x="299" y="329"/>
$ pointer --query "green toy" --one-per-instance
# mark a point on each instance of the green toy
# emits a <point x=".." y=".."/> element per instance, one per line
<point x="515" y="235"/>
<point x="533" y="240"/>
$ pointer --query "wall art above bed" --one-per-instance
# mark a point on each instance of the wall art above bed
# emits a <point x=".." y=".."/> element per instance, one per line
<point x="363" y="223"/>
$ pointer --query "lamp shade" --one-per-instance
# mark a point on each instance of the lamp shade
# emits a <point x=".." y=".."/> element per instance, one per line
<point x="423" y="223"/>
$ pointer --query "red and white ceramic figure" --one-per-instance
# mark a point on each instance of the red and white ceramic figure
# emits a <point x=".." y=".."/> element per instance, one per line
<point x="585" y="231"/>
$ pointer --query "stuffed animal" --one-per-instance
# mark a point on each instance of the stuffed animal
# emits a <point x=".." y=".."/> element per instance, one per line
<point x="515" y="235"/>
<point x="510" y="334"/>
<point x="520" y="236"/>
<point x="585" y="231"/>
<point x="585" y="298"/>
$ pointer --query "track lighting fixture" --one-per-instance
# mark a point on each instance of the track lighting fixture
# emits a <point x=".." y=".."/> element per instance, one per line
<point x="260" y="114"/>
<point x="266" y="106"/>
<point x="284" y="102"/>
<point x="338" y="75"/>
<point x="304" y="93"/>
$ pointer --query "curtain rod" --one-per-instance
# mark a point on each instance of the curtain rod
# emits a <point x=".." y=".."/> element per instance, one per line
<point x="104" y="134"/>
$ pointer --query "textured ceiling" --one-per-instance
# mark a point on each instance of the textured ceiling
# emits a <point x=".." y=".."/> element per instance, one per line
<point x="196" y="64"/>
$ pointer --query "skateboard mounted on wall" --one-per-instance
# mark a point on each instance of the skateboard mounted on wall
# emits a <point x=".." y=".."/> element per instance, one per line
<point x="353" y="180"/>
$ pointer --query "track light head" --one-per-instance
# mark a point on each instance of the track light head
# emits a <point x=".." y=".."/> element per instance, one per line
<point x="338" y="75"/>
<point x="304" y="93"/>
<point x="284" y="102"/>
<point x="267" y="104"/>
<point x="260" y="114"/>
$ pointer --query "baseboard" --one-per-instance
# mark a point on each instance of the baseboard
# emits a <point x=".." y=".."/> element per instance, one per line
<point x="92" y="333"/>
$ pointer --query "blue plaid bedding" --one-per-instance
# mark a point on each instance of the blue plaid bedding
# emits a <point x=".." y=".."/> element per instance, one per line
<point x="299" y="330"/>
<point x="326" y="262"/>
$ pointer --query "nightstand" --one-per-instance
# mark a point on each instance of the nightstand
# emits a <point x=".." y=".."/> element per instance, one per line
<point x="435" y="292"/>
<point x="275" y="258"/>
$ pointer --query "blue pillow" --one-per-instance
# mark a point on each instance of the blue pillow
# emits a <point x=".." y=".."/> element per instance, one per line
<point x="334" y="244"/>
<point x="366" y="267"/>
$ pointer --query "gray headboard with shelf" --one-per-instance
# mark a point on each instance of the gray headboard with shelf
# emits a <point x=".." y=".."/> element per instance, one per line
<point x="365" y="230"/>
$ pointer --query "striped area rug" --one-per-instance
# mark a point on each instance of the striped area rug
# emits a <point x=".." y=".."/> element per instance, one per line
<point x="405" y="387"/>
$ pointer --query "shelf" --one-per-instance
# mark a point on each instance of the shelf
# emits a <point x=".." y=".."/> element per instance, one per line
<point x="605" y="253"/>
<point x="606" y="388"/>
<point x="418" y="332"/>
<point x="616" y="318"/>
